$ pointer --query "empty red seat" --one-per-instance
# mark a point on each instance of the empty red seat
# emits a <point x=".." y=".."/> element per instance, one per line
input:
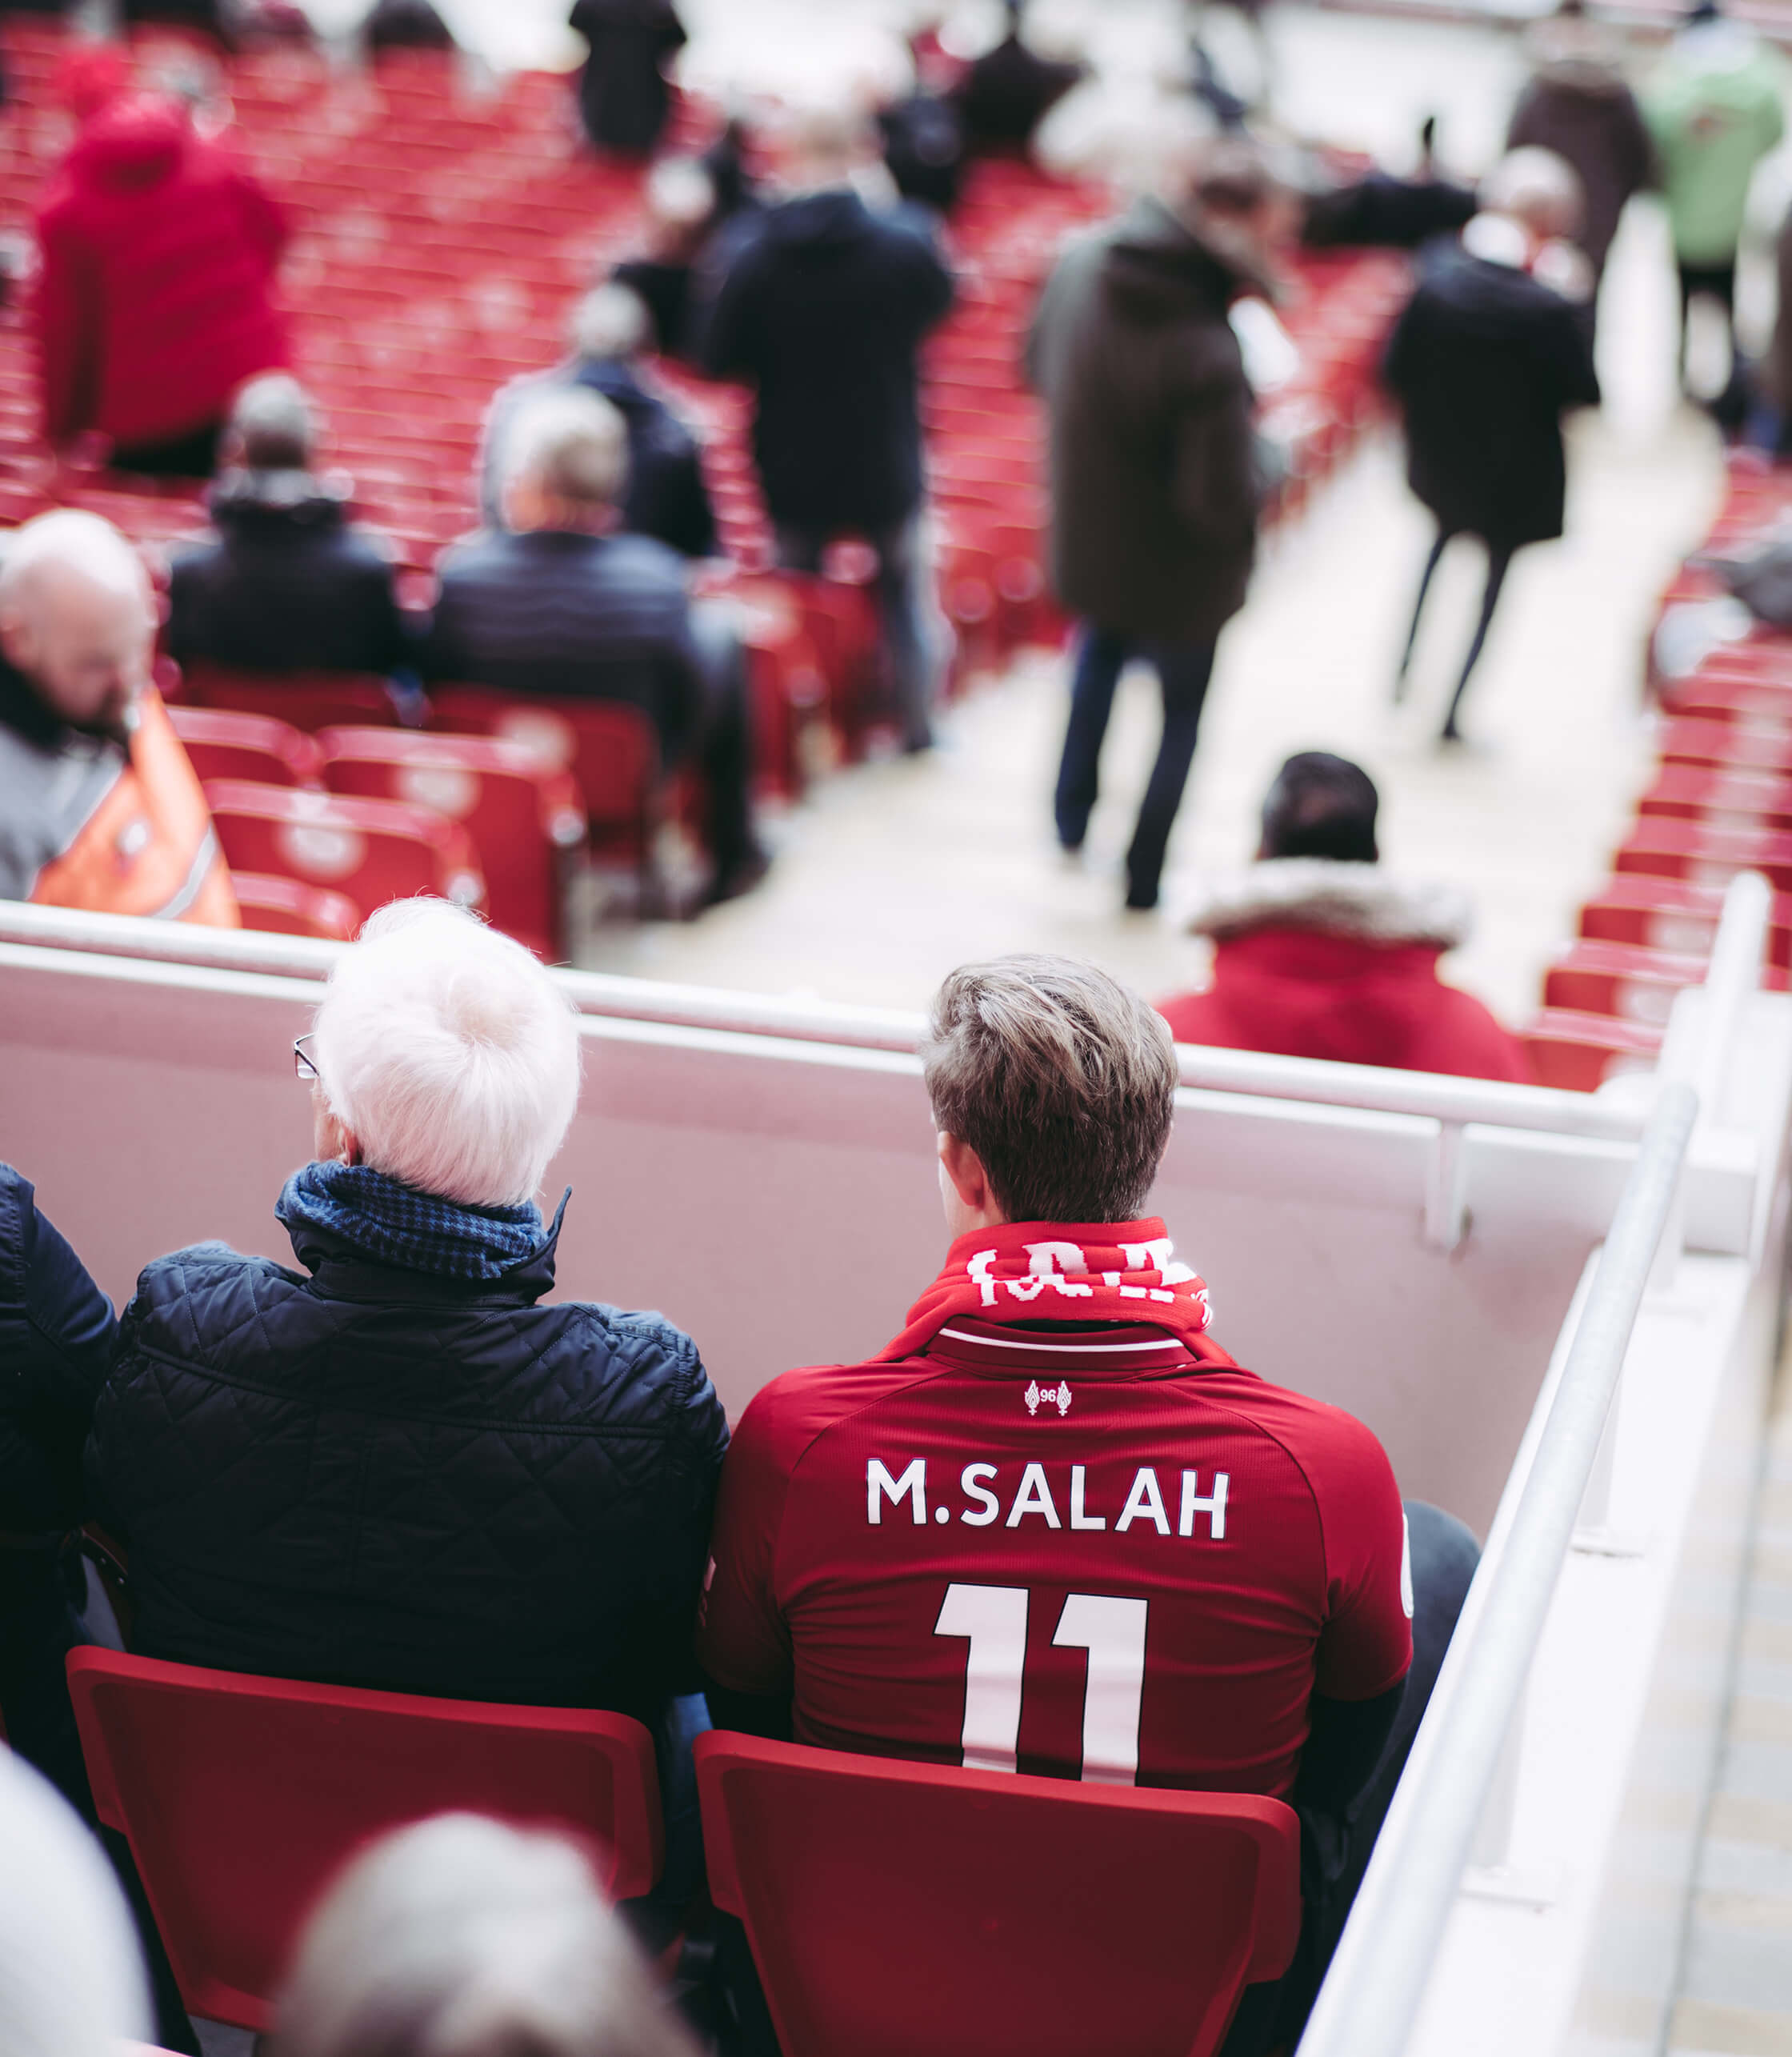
<point x="306" y="699"/>
<point x="1691" y="739"/>
<point x="521" y="813"/>
<point x="897" y="1908"/>
<point x="1577" y="1052"/>
<point x="290" y="908"/>
<point x="1705" y="853"/>
<point x="1668" y="914"/>
<point x="372" y="850"/>
<point x="1735" y="795"/>
<point x="223" y="744"/>
<point x="1623" y="979"/>
<point x="241" y="1796"/>
<point x="610" y="749"/>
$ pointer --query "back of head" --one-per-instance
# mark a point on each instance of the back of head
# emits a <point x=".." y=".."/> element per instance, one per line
<point x="273" y="427"/>
<point x="450" y="1054"/>
<point x="1321" y="805"/>
<point x="570" y="447"/>
<point x="829" y="141"/>
<point x="460" y="1937"/>
<point x="77" y="614"/>
<point x="71" y="1979"/>
<point x="1061" y="1079"/>
<point x="1536" y="189"/>
<point x="610" y="322"/>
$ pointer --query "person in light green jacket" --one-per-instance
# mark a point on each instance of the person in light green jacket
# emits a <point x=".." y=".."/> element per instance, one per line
<point x="1716" y="107"/>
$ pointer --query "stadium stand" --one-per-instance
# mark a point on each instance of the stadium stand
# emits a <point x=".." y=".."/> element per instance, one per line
<point x="1721" y="802"/>
<point x="441" y="239"/>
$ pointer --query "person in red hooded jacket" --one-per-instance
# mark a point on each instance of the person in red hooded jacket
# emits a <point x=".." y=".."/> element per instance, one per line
<point x="154" y="301"/>
<point x="1318" y="953"/>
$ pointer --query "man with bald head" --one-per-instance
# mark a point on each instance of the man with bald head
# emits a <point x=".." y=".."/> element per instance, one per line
<point x="99" y="808"/>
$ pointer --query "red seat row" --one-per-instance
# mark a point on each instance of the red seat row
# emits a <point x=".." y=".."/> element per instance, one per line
<point x="890" y="1907"/>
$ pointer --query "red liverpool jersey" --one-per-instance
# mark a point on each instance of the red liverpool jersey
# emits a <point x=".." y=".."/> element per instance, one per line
<point x="1078" y="1551"/>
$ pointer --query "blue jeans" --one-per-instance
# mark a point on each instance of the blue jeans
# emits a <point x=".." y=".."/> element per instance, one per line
<point x="1183" y="675"/>
<point x="902" y="609"/>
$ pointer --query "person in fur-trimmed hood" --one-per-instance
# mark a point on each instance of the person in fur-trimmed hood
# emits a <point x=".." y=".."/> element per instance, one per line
<point x="1317" y="952"/>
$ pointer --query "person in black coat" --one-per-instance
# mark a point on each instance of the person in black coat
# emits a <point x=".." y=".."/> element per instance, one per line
<point x="290" y="584"/>
<point x="667" y="497"/>
<point x="56" y="1337"/>
<point x="623" y="96"/>
<point x="1484" y="361"/>
<point x="825" y="312"/>
<point x="1008" y="91"/>
<point x="394" y="1463"/>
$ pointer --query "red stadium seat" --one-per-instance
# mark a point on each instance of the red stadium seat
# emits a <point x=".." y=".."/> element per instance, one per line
<point x="1705" y="854"/>
<point x="223" y="744"/>
<point x="372" y="850"/>
<point x="520" y="815"/>
<point x="1621" y="979"/>
<point x="289" y="908"/>
<point x="241" y="1796"/>
<point x="1737" y="795"/>
<point x="610" y="750"/>
<point x="1665" y="914"/>
<point x="897" y="1908"/>
<point x="1577" y="1052"/>
<point x="1687" y="740"/>
<point x="306" y="699"/>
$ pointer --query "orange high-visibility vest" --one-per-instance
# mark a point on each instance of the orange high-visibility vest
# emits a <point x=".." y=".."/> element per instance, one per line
<point x="149" y="847"/>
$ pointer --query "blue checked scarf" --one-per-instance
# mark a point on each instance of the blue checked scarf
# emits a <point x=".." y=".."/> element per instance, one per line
<point x="398" y="1225"/>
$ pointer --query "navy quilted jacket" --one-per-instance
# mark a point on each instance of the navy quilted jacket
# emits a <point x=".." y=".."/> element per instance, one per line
<point x="56" y="1330"/>
<point x="374" y="1477"/>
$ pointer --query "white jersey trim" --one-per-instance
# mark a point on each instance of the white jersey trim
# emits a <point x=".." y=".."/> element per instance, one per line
<point x="1073" y="1349"/>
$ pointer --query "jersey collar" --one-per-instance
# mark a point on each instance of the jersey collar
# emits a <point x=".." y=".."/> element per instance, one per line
<point x="1032" y="1349"/>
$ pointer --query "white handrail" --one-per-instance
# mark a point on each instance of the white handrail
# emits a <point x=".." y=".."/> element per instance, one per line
<point x="1371" y="1997"/>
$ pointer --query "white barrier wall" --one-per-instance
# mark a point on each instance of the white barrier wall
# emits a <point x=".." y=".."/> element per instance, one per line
<point x="777" y="1197"/>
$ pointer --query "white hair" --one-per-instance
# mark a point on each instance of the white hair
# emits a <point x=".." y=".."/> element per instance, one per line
<point x="610" y="321"/>
<point x="570" y="443"/>
<point x="274" y="423"/>
<point x="69" y="539"/>
<point x="680" y="192"/>
<point x="463" y="1937"/>
<point x="450" y="1054"/>
<point x="71" y="1977"/>
<point x="1539" y="188"/>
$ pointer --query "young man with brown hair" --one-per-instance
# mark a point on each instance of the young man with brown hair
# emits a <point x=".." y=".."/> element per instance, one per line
<point x="1054" y="1527"/>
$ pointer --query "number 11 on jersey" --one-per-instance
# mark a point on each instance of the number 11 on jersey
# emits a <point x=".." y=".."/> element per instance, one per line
<point x="992" y="1620"/>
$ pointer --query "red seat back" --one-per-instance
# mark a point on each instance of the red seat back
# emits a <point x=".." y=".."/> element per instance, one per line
<point x="223" y="744"/>
<point x="610" y="750"/>
<point x="373" y="851"/>
<point x="519" y="813"/>
<point x="1577" y="1053"/>
<point x="1667" y="914"/>
<point x="306" y="699"/>
<point x="894" y="1908"/>
<point x="240" y="1796"/>
<point x="289" y="908"/>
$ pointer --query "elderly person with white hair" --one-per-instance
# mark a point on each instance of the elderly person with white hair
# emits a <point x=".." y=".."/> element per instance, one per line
<point x="99" y="808"/>
<point x="1490" y="352"/>
<point x="463" y="1937"/>
<point x="394" y="1464"/>
<point x="665" y="496"/>
<point x="561" y="604"/>
<point x="290" y="584"/>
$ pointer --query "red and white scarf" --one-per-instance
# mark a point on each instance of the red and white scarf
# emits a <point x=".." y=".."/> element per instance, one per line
<point x="1078" y="1271"/>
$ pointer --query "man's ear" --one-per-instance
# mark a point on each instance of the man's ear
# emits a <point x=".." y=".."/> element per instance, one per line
<point x="15" y="639"/>
<point x="964" y="1169"/>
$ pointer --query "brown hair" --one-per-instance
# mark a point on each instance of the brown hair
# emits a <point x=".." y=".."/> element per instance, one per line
<point x="1061" y="1080"/>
